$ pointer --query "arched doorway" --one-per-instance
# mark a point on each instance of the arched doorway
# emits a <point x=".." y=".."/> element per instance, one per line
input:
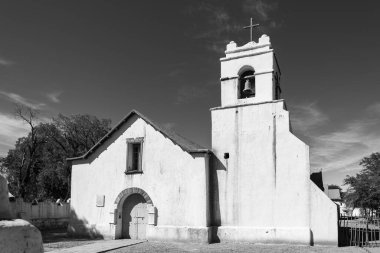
<point x="134" y="217"/>
<point x="134" y="212"/>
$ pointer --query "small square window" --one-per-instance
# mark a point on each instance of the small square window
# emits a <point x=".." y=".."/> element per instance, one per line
<point x="134" y="156"/>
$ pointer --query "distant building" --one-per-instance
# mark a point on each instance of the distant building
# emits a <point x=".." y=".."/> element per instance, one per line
<point x="331" y="191"/>
<point x="317" y="178"/>
<point x="333" y="194"/>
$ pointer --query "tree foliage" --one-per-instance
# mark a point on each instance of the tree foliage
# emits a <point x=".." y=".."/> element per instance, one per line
<point x="364" y="188"/>
<point x="36" y="167"/>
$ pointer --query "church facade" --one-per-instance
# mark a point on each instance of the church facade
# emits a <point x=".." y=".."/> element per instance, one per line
<point x="143" y="182"/>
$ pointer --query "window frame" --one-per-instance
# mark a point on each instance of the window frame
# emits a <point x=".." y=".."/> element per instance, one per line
<point x="131" y="142"/>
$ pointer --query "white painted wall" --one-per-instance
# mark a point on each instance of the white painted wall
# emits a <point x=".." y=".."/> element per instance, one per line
<point x="260" y="57"/>
<point x="174" y="180"/>
<point x="324" y="218"/>
<point x="243" y="180"/>
<point x="265" y="184"/>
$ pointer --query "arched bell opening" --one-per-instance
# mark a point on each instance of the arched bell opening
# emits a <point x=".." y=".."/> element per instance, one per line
<point x="247" y="85"/>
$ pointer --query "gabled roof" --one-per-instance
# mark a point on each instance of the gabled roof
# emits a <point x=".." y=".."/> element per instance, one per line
<point x="184" y="143"/>
<point x="317" y="178"/>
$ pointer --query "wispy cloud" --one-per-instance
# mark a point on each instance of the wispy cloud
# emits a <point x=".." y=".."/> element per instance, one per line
<point x="375" y="108"/>
<point x="175" y="72"/>
<point x="188" y="93"/>
<point x="337" y="149"/>
<point x="54" y="96"/>
<point x="16" y="98"/>
<point x="307" y="117"/>
<point x="342" y="150"/>
<point x="263" y="11"/>
<point x="219" y="25"/>
<point x="221" y="22"/>
<point x="4" y="62"/>
<point x="260" y="8"/>
<point x="11" y="130"/>
<point x="169" y="125"/>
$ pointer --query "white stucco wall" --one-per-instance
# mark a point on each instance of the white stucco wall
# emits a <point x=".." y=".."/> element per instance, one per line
<point x="264" y="187"/>
<point x="239" y="194"/>
<point x="324" y="218"/>
<point x="292" y="174"/>
<point x="173" y="179"/>
<point x="260" y="57"/>
<point x="265" y="182"/>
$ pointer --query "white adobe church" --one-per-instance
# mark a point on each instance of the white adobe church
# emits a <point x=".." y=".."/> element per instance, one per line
<point x="143" y="182"/>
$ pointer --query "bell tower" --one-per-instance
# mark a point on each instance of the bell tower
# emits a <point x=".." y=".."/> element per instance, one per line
<point x="250" y="73"/>
<point x="261" y="169"/>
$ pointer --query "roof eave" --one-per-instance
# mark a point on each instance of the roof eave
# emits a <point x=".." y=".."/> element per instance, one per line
<point x="118" y="125"/>
<point x="207" y="151"/>
<point x="198" y="151"/>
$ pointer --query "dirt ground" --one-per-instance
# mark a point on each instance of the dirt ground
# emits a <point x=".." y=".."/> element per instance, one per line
<point x="232" y="247"/>
<point x="58" y="239"/>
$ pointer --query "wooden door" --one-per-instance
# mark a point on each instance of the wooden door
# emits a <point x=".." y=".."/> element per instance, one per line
<point x="134" y="217"/>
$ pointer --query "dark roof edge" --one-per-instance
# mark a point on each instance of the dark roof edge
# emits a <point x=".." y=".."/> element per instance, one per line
<point x="118" y="125"/>
<point x="200" y="151"/>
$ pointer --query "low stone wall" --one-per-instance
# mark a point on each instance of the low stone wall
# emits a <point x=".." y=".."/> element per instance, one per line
<point x="44" y="215"/>
<point x="19" y="236"/>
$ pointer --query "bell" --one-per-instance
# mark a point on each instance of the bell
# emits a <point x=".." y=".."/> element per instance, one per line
<point x="248" y="90"/>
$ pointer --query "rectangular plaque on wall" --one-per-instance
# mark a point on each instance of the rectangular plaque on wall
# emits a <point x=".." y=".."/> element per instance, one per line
<point x="100" y="200"/>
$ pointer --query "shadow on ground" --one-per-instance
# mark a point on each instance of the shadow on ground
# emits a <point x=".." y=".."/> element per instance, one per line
<point x="59" y="239"/>
<point x="60" y="235"/>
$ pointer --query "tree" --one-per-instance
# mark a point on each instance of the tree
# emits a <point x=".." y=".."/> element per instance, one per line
<point x="80" y="132"/>
<point x="54" y="173"/>
<point x="364" y="188"/>
<point x="22" y="161"/>
<point x="37" y="166"/>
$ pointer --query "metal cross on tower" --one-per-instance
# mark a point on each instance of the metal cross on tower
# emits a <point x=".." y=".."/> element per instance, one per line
<point x="251" y="26"/>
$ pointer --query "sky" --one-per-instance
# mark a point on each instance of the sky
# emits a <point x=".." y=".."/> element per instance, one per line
<point x="161" y="58"/>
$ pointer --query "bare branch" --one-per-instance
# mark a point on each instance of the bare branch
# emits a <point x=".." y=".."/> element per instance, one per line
<point x="27" y="114"/>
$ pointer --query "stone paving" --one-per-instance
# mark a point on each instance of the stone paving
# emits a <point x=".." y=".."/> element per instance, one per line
<point x="99" y="246"/>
